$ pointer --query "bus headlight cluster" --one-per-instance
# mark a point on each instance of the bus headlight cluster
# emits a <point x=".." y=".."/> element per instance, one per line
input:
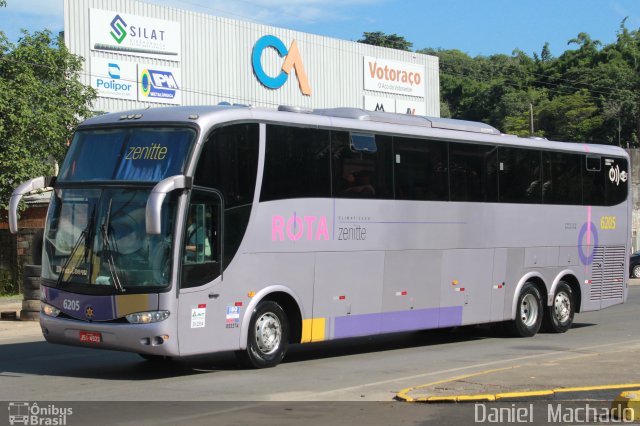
<point x="147" y="317"/>
<point x="49" y="310"/>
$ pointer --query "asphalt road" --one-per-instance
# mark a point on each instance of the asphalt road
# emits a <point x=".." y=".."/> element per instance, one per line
<point x="336" y="379"/>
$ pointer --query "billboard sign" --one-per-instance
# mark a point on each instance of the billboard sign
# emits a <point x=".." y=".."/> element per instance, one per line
<point x="134" y="35"/>
<point x="374" y="103"/>
<point x="159" y="84"/>
<point x="114" y="79"/>
<point x="399" y="106"/>
<point x="292" y="62"/>
<point x="400" y="78"/>
<point x="411" y="107"/>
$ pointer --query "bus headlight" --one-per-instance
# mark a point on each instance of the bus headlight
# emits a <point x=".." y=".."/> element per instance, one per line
<point x="147" y="317"/>
<point x="49" y="310"/>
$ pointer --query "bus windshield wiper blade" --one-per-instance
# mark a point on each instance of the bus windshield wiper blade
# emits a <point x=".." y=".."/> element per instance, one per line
<point x="84" y="235"/>
<point x="106" y="249"/>
<point x="66" y="263"/>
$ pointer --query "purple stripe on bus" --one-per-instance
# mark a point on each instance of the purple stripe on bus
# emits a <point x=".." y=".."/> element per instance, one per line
<point x="450" y="316"/>
<point x="390" y="322"/>
<point x="81" y="306"/>
<point x="357" y="325"/>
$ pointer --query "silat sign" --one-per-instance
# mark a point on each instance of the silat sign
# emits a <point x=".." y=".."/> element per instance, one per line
<point x="134" y="35"/>
<point x="292" y="61"/>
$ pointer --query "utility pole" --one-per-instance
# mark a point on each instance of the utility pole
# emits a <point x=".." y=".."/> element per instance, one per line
<point x="531" y="118"/>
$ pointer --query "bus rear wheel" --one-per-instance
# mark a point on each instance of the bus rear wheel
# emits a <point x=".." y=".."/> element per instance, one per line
<point x="268" y="336"/>
<point x="528" y="312"/>
<point x="558" y="317"/>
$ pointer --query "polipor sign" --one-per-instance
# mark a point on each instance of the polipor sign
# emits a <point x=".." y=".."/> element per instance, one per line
<point x="400" y="78"/>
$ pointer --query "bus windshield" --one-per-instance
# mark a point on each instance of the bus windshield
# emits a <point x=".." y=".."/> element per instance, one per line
<point x="147" y="154"/>
<point x="95" y="241"/>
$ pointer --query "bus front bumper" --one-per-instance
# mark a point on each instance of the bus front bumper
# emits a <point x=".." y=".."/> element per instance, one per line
<point x="158" y="338"/>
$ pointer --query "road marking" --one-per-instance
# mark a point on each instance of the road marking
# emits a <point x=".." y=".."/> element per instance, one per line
<point x="468" y="367"/>
<point x="403" y="394"/>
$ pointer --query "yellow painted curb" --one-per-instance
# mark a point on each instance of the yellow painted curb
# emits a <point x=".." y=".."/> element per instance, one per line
<point x="629" y="400"/>
<point x="468" y="398"/>
<point x="403" y="395"/>
<point x="626" y="406"/>
<point x="523" y="394"/>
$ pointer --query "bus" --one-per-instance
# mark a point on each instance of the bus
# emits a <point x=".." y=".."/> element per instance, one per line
<point x="179" y="231"/>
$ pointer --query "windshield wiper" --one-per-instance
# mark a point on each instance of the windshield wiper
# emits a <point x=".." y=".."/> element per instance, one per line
<point x="106" y="247"/>
<point x="84" y="235"/>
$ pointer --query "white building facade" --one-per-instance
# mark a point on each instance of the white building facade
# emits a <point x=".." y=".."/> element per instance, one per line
<point x="139" y="55"/>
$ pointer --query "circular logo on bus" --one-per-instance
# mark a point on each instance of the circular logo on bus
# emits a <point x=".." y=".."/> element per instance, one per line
<point x="589" y="231"/>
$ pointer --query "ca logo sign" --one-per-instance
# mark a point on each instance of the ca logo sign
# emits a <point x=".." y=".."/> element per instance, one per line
<point x="292" y="60"/>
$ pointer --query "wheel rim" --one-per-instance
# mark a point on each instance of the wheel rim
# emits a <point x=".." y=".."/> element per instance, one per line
<point x="636" y="271"/>
<point x="268" y="333"/>
<point x="529" y="310"/>
<point x="562" y="307"/>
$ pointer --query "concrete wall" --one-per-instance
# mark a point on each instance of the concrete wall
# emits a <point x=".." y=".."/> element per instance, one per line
<point x="215" y="61"/>
<point x="635" y="189"/>
<point x="20" y="249"/>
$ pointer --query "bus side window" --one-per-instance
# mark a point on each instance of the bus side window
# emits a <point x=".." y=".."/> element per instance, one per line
<point x="362" y="166"/>
<point x="562" y="178"/>
<point x="421" y="169"/>
<point x="296" y="164"/>
<point x="593" y="178"/>
<point x="617" y="177"/>
<point x="520" y="176"/>
<point x="201" y="242"/>
<point x="472" y="172"/>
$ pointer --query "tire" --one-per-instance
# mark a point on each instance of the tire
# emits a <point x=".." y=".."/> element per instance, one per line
<point x="31" y="270"/>
<point x="29" y="315"/>
<point x="558" y="317"/>
<point x="31" y="305"/>
<point x="31" y="283"/>
<point x="31" y="294"/>
<point x="635" y="272"/>
<point x="268" y="337"/>
<point x="36" y="247"/>
<point x="529" y="312"/>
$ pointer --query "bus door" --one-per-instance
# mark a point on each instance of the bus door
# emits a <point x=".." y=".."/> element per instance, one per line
<point x="200" y="269"/>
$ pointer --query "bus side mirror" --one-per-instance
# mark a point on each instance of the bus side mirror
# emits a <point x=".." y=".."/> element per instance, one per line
<point x="153" y="218"/>
<point x="24" y="188"/>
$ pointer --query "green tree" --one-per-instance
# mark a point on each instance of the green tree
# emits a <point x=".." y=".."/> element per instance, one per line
<point x="41" y="102"/>
<point x="572" y="117"/>
<point x="393" y="41"/>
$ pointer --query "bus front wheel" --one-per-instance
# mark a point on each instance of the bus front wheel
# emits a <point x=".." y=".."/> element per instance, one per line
<point x="268" y="336"/>
<point x="528" y="312"/>
<point x="558" y="317"/>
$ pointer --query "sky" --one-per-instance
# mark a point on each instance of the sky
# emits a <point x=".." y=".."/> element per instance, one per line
<point x="477" y="27"/>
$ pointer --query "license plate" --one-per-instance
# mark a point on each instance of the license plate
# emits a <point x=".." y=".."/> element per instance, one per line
<point x="90" y="337"/>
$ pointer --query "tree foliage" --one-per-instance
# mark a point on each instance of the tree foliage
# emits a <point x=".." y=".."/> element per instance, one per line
<point x="393" y="41"/>
<point x="41" y="102"/>
<point x="590" y="93"/>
